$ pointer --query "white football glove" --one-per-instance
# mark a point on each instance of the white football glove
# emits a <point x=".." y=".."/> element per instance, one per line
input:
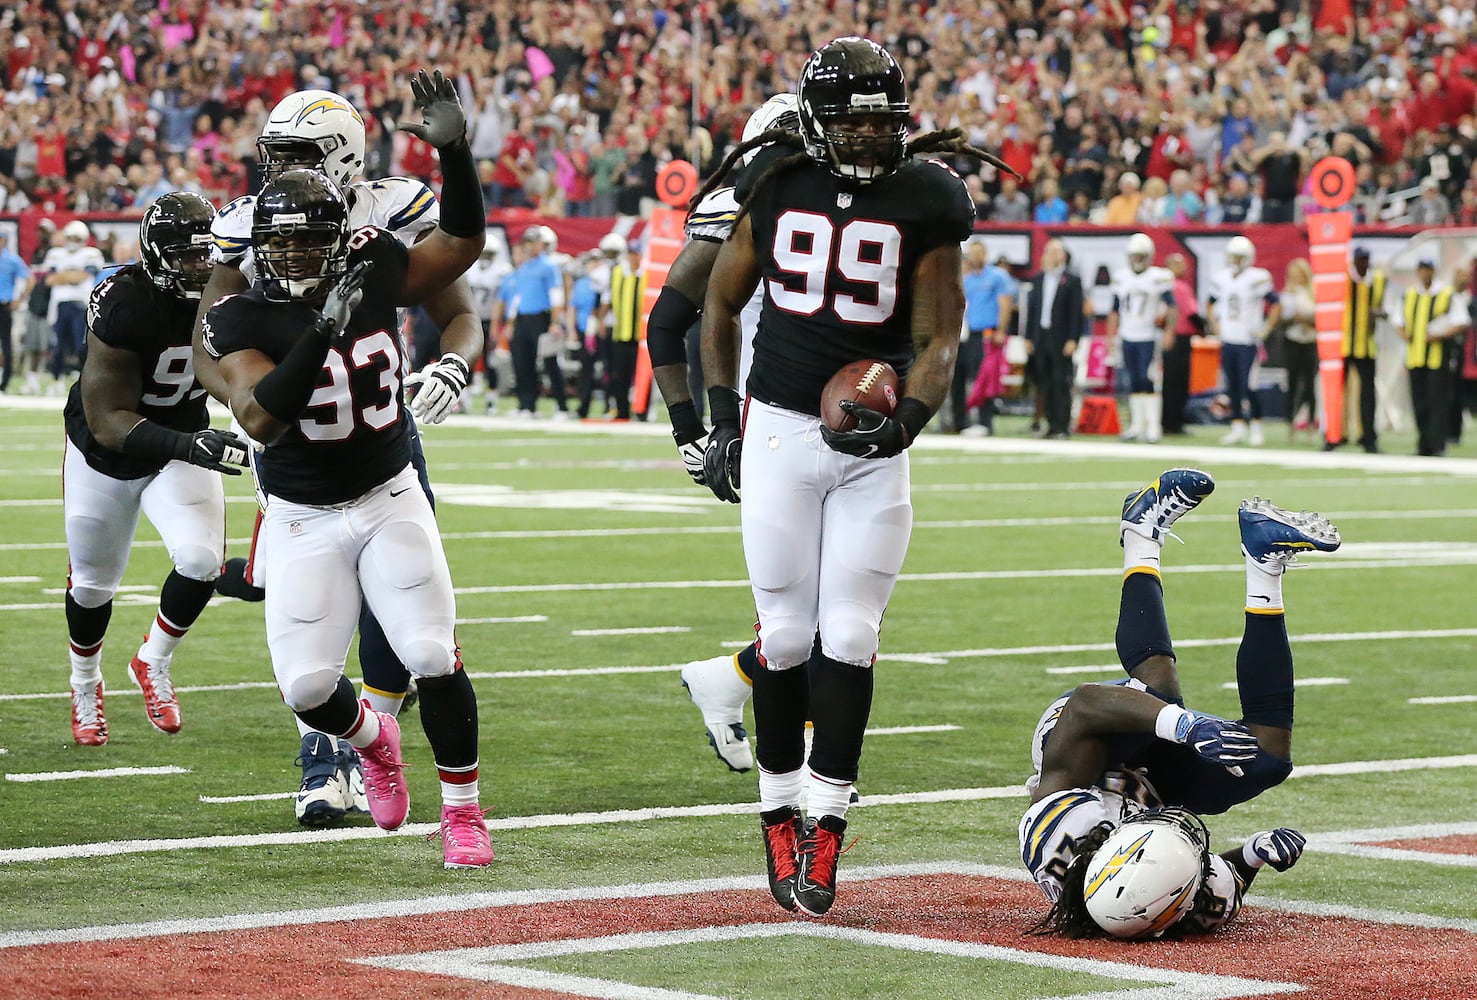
<point x="692" y="459"/>
<point x="1279" y="848"/>
<point x="437" y="388"/>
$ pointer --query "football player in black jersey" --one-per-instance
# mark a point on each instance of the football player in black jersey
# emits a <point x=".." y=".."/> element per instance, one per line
<point x="313" y="369"/>
<point x="138" y="439"/>
<point x="857" y="241"/>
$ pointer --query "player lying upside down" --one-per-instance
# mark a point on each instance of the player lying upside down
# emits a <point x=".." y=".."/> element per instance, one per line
<point x="1112" y="836"/>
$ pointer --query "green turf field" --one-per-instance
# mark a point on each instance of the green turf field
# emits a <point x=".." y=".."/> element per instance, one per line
<point x="557" y="530"/>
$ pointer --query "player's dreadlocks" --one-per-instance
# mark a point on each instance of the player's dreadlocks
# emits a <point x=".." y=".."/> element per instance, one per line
<point x="1068" y="916"/>
<point x="950" y="140"/>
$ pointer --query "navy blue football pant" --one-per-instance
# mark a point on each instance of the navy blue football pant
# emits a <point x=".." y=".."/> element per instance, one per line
<point x="1237" y="361"/>
<point x="1138" y="357"/>
<point x="381" y="668"/>
<point x="71" y="331"/>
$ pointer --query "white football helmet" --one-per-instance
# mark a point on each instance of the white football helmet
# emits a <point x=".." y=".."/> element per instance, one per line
<point x="1140" y="251"/>
<point x="76" y="233"/>
<point x="1145" y="877"/>
<point x="317" y="129"/>
<point x="1239" y="253"/>
<point x="612" y="244"/>
<point x="780" y="111"/>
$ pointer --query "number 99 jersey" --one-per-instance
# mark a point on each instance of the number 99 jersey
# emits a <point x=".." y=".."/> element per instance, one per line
<point x="126" y="311"/>
<point x="837" y="265"/>
<point x="354" y="434"/>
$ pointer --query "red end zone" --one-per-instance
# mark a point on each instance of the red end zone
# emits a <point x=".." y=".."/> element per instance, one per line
<point x="1332" y="958"/>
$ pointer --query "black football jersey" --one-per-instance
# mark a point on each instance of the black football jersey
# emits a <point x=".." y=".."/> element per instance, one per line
<point x="837" y="264"/>
<point x="126" y="311"/>
<point x="354" y="434"/>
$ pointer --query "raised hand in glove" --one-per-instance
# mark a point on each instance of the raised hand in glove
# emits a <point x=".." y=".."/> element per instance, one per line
<point x="437" y="388"/>
<point x="876" y="435"/>
<point x="221" y="451"/>
<point x="445" y="123"/>
<point x="725" y="444"/>
<point x="342" y="300"/>
<point x="1279" y="848"/>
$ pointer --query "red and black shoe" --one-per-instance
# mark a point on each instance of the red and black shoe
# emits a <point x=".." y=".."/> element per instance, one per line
<point x="815" y="858"/>
<point x="781" y="829"/>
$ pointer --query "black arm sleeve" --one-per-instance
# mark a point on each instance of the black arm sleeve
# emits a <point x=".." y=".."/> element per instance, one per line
<point x="284" y="391"/>
<point x="666" y="327"/>
<point x="155" y="441"/>
<point x="462" y="213"/>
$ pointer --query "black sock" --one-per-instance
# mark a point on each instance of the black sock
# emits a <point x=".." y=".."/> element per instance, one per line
<point x="1143" y="630"/>
<point x="87" y="626"/>
<point x="337" y="715"/>
<point x="748" y="661"/>
<point x="381" y="668"/>
<point x="449" y="717"/>
<point x="781" y="709"/>
<point x="181" y="599"/>
<point x="1264" y="672"/>
<point x="232" y="583"/>
<point x="840" y="704"/>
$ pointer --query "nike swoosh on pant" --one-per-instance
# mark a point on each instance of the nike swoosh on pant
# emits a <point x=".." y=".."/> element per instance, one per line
<point x="396" y="493"/>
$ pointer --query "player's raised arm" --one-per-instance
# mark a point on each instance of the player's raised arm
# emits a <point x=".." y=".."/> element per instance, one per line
<point x="455" y="244"/>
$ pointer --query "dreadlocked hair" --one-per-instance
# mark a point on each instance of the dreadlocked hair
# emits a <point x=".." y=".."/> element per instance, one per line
<point x="782" y="136"/>
<point x="951" y="140"/>
<point x="1068" y="916"/>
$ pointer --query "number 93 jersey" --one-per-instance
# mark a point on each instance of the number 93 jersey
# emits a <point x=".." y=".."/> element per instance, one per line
<point x="354" y="434"/>
<point x="837" y="265"/>
<point x="126" y="311"/>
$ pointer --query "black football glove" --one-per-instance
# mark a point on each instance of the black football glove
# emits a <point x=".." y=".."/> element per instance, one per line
<point x="220" y="451"/>
<point x="876" y="435"/>
<point x="725" y="445"/>
<point x="342" y="300"/>
<point x="435" y="96"/>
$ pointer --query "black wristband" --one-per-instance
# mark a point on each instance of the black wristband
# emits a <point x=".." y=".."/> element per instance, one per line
<point x="666" y="327"/>
<point x="686" y="427"/>
<point x="284" y="391"/>
<point x="462" y="213"/>
<point x="150" y="440"/>
<point x="723" y="404"/>
<point x="914" y="414"/>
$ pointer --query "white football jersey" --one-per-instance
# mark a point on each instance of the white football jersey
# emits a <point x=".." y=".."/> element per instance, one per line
<point x="713" y="219"/>
<point x="1140" y="299"/>
<point x="485" y="278"/>
<point x="1240" y="303"/>
<point x="89" y="259"/>
<point x="1051" y="828"/>
<point x="402" y="205"/>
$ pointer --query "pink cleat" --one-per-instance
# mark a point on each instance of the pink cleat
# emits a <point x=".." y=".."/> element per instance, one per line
<point x="464" y="837"/>
<point x="384" y="782"/>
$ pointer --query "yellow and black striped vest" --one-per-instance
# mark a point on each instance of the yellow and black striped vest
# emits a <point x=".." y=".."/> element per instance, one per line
<point x="1420" y="308"/>
<point x="1365" y="298"/>
<point x="627" y="292"/>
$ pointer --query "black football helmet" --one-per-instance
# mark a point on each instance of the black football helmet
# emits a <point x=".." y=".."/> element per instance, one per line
<point x="854" y="110"/>
<point x="300" y="235"/>
<point x="174" y="243"/>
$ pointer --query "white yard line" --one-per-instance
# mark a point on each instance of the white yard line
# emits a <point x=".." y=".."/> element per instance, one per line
<point x="105" y="772"/>
<point x="20" y="855"/>
<point x="644" y="630"/>
<point x="513" y="620"/>
<point x="910" y="730"/>
<point x="1451" y="699"/>
<point x="264" y="797"/>
<point x="1301" y="682"/>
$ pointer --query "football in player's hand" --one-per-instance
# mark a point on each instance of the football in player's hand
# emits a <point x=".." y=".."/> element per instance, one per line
<point x="873" y="384"/>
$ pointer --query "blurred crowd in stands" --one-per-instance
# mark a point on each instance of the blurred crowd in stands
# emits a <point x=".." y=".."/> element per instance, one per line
<point x="1114" y="112"/>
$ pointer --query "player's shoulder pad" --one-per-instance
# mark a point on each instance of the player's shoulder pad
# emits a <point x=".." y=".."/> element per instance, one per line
<point x="117" y="304"/>
<point x="390" y="256"/>
<point x="224" y="328"/>
<point x="400" y="203"/>
<point x="714" y="216"/>
<point x="935" y="184"/>
<point x="763" y="159"/>
<point x="231" y="229"/>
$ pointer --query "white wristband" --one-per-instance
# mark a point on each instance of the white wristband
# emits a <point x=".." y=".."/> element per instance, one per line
<point x="1249" y="854"/>
<point x="1168" y="721"/>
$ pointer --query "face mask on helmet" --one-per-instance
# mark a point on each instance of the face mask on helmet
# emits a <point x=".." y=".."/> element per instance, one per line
<point x="175" y="245"/>
<point x="281" y="154"/>
<point x="1145" y="877"/>
<point x="300" y="235"/>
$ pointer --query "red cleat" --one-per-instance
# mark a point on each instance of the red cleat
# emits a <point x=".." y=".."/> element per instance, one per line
<point x="89" y="728"/>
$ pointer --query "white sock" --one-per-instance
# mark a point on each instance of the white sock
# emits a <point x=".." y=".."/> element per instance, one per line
<point x="458" y="793"/>
<point x="87" y="670"/>
<point x="1154" y="417"/>
<point x="303" y="728"/>
<point x="1140" y="552"/>
<point x="161" y="642"/>
<point x="382" y="702"/>
<point x="826" y="797"/>
<point x="1263" y="589"/>
<point x="368" y="731"/>
<point x="779" y="790"/>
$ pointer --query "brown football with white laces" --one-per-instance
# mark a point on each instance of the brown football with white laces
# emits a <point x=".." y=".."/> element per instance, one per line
<point x="873" y="384"/>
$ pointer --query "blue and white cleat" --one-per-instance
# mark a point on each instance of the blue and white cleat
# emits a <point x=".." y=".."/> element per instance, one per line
<point x="1151" y="511"/>
<point x="352" y="776"/>
<point x="322" y="794"/>
<point x="1273" y="538"/>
